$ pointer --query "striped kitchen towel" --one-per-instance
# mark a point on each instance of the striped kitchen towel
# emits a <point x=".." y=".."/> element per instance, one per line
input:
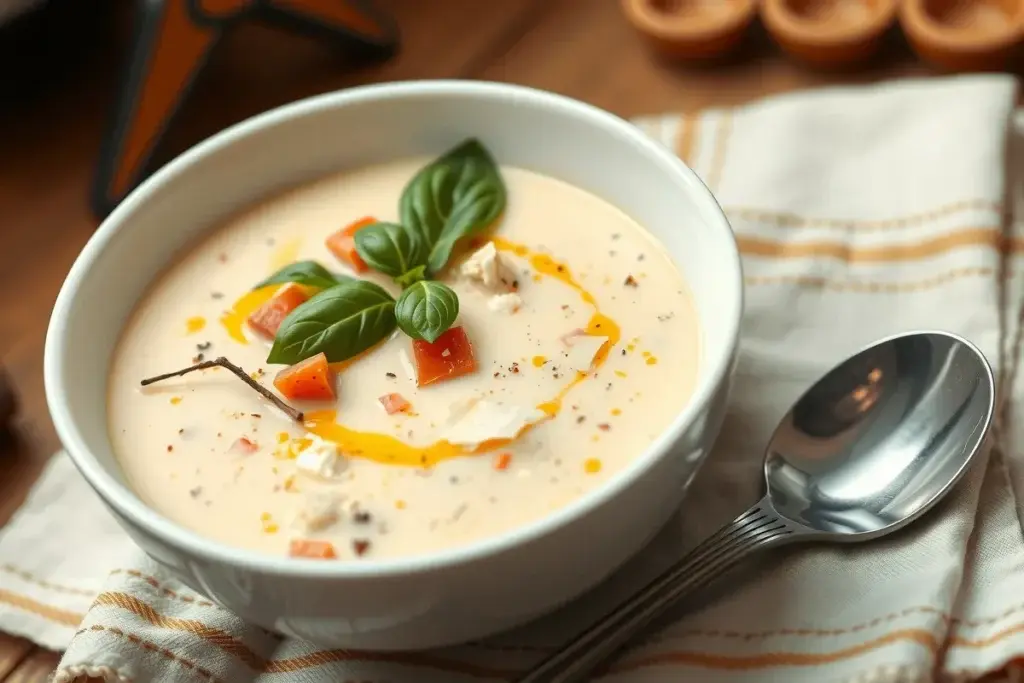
<point x="859" y="212"/>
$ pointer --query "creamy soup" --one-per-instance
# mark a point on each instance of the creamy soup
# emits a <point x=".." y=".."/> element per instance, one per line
<point x="574" y="345"/>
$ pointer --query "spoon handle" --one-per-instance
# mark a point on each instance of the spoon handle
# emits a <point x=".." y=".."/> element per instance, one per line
<point x="758" y="527"/>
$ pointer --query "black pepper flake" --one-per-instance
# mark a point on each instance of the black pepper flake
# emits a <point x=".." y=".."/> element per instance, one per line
<point x="198" y="358"/>
<point x="631" y="281"/>
<point x="390" y="375"/>
<point x="497" y="375"/>
<point x="623" y="352"/>
<point x="615" y="235"/>
<point x="515" y="285"/>
<point x="560" y="268"/>
<point x="181" y="430"/>
<point x="580" y="419"/>
<point x="256" y="415"/>
<point x="362" y="517"/>
<point x="204" y="346"/>
<point x="360" y="546"/>
<point x="608" y="386"/>
<point x="453" y="479"/>
<point x="196" y="492"/>
<point x="216" y="295"/>
<point x="640" y="257"/>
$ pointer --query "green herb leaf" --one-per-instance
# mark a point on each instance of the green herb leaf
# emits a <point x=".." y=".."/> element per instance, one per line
<point x="342" y="322"/>
<point x="309" y="273"/>
<point x="426" y="310"/>
<point x="415" y="275"/>
<point x="391" y="249"/>
<point x="458" y="195"/>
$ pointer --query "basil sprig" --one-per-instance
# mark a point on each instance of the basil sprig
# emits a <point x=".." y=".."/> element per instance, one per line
<point x="309" y="273"/>
<point x="341" y="322"/>
<point x="458" y="195"/>
<point x="426" y="309"/>
<point x="390" y="248"/>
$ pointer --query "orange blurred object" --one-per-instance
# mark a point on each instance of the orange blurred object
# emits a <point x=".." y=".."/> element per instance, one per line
<point x="343" y="244"/>
<point x="691" y="29"/>
<point x="266" y="320"/>
<point x="449" y="357"/>
<point x="310" y="380"/>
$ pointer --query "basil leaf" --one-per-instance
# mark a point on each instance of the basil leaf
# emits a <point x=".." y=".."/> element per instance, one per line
<point x="415" y="275"/>
<point x="426" y="310"/>
<point x="390" y="249"/>
<point x="457" y="195"/>
<point x="308" y="273"/>
<point x="342" y="321"/>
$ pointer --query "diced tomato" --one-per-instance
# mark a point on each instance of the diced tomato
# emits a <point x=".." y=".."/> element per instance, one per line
<point x="569" y="336"/>
<point x="245" y="445"/>
<point x="311" y="380"/>
<point x="394" y="403"/>
<point x="503" y="461"/>
<point x="267" y="318"/>
<point x="316" y="550"/>
<point x="343" y="244"/>
<point x="449" y="357"/>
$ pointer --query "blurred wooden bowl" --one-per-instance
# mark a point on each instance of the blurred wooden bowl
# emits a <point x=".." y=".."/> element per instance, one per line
<point x="829" y="33"/>
<point x="691" y="29"/>
<point x="964" y="35"/>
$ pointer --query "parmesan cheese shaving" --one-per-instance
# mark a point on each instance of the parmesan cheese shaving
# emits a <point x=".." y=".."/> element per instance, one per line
<point x="459" y="408"/>
<point x="505" y="303"/>
<point x="321" y="459"/>
<point x="582" y="350"/>
<point x="489" y="269"/>
<point x="486" y="420"/>
<point x="321" y="510"/>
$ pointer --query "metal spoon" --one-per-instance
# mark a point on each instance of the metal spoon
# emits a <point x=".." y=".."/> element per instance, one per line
<point x="868" y="449"/>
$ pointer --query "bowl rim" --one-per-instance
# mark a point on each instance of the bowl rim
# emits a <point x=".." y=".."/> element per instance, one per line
<point x="128" y="505"/>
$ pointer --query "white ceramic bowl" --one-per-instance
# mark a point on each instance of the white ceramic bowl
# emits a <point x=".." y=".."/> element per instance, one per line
<point x="450" y="596"/>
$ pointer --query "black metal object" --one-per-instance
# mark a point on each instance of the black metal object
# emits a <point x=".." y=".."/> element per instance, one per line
<point x="173" y="41"/>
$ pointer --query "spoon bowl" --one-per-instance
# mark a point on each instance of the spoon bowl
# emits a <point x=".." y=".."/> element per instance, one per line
<point x="871" y="447"/>
<point x="881" y="438"/>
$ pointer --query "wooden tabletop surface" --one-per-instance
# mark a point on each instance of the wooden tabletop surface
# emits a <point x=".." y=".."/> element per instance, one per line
<point x="49" y="143"/>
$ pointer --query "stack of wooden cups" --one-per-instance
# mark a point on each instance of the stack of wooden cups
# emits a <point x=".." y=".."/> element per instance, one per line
<point x="954" y="35"/>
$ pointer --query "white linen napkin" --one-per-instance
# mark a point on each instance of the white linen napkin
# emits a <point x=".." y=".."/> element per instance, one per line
<point x="859" y="212"/>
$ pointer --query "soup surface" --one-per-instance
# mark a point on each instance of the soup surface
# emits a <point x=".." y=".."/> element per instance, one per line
<point x="582" y="347"/>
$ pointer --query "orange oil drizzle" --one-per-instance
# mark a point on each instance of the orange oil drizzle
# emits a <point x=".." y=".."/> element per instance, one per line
<point x="234" y="319"/>
<point x="387" y="449"/>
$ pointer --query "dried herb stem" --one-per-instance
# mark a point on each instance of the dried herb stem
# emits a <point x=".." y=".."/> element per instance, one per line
<point x="223" y="362"/>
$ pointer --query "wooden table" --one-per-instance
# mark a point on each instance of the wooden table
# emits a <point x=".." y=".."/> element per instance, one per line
<point x="48" y="145"/>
